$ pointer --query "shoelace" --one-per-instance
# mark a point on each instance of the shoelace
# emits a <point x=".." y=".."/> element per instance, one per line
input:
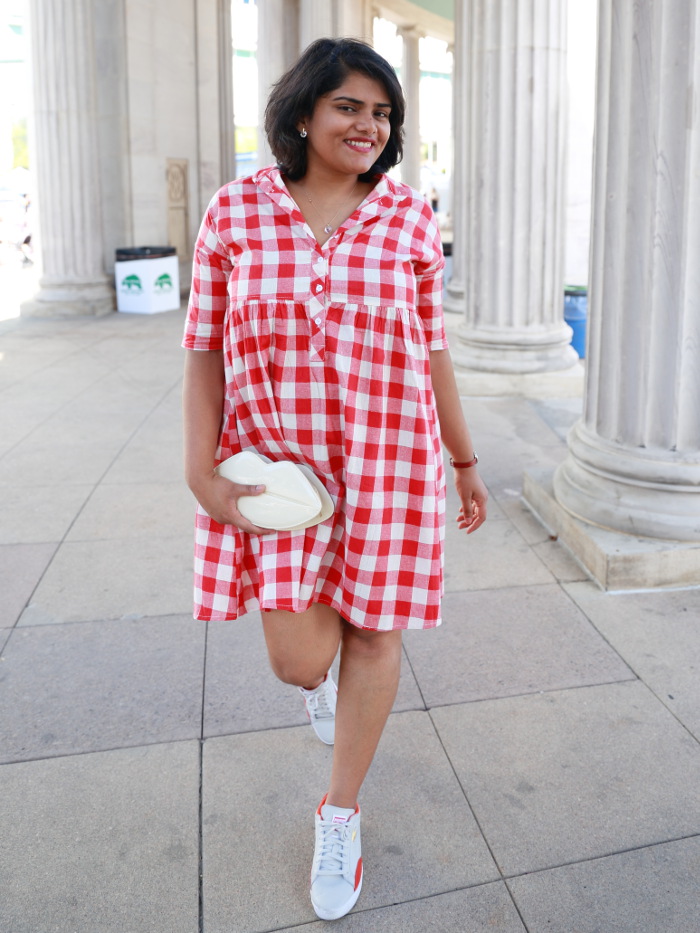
<point x="317" y="703"/>
<point x="335" y="842"/>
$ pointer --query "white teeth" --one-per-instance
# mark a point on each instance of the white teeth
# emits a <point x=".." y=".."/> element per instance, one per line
<point x="356" y="145"/>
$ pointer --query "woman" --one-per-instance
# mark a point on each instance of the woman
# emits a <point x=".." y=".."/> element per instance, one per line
<point x="316" y="336"/>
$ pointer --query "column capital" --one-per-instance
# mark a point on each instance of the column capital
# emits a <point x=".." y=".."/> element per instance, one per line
<point x="410" y="32"/>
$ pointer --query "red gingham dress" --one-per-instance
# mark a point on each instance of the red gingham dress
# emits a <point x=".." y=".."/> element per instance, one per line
<point x="326" y="363"/>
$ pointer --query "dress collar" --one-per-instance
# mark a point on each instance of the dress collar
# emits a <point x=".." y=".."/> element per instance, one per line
<point x="384" y="196"/>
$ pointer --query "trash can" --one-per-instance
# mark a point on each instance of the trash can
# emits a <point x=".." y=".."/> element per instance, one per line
<point x="575" y="315"/>
<point x="147" y="279"/>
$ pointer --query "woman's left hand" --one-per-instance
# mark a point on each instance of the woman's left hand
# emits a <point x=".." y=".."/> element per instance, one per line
<point x="473" y="495"/>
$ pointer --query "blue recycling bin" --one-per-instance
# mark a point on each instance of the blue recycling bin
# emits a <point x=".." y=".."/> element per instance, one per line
<point x="576" y="316"/>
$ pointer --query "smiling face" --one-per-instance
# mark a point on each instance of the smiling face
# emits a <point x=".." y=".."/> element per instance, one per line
<point x="349" y="127"/>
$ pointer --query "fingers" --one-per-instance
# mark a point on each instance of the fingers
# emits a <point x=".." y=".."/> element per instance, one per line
<point x="472" y="517"/>
<point x="477" y="521"/>
<point x="240" y="521"/>
<point x="221" y="504"/>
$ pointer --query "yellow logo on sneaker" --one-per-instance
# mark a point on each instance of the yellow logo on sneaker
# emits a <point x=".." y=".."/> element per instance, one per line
<point x="354" y="833"/>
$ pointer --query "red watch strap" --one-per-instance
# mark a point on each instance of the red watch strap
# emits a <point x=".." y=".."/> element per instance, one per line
<point x="461" y="466"/>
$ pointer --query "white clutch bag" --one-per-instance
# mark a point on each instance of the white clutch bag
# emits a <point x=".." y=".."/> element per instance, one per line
<point x="294" y="497"/>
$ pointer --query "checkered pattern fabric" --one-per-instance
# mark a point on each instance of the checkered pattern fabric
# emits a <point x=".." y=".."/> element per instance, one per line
<point x="326" y="363"/>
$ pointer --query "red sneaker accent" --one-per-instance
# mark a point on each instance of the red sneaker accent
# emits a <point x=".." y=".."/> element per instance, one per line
<point x="358" y="873"/>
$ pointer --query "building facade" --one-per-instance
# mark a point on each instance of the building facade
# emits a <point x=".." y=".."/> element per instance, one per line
<point x="133" y="105"/>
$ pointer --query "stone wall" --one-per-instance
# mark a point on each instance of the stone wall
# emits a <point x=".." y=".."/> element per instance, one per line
<point x="159" y="121"/>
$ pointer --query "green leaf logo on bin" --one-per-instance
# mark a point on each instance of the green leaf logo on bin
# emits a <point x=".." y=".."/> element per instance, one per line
<point x="147" y="279"/>
<point x="163" y="283"/>
<point x="131" y="284"/>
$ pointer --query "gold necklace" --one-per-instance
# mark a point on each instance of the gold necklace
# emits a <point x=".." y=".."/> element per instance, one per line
<point x="328" y="227"/>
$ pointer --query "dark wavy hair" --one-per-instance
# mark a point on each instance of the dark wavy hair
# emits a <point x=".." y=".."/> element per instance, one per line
<point x="322" y="68"/>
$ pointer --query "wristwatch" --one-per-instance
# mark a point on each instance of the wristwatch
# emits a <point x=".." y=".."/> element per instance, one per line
<point x="462" y="466"/>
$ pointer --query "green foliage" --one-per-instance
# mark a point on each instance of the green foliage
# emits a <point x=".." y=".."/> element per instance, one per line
<point x="20" y="145"/>
<point x="246" y="139"/>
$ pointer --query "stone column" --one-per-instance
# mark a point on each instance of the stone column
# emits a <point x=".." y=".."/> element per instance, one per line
<point x="634" y="457"/>
<point x="355" y="19"/>
<point x="67" y="160"/>
<point x="278" y="48"/>
<point x="513" y="196"/>
<point x="410" y="79"/>
<point x="321" y="18"/>
<point x="227" y="136"/>
<point x="455" y="298"/>
<point x="216" y="143"/>
<point x="317" y="19"/>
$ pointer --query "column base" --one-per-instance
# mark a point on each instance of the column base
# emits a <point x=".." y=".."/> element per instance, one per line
<point x="508" y="350"/>
<point x="455" y="301"/>
<point x="88" y="299"/>
<point x="629" y="490"/>
<point x="616" y="561"/>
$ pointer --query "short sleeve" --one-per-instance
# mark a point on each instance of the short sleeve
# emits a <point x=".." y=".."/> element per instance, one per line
<point x="211" y="269"/>
<point x="428" y="269"/>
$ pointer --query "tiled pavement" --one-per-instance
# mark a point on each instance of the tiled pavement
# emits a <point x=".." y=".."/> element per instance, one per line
<point x="541" y="771"/>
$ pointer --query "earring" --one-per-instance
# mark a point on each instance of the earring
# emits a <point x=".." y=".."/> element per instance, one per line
<point x="303" y="133"/>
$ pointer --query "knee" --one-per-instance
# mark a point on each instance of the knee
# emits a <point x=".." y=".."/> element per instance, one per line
<point x="367" y="644"/>
<point x="298" y="672"/>
<point x="301" y="646"/>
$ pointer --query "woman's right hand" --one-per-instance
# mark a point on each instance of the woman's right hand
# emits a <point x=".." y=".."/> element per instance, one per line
<point x="219" y="499"/>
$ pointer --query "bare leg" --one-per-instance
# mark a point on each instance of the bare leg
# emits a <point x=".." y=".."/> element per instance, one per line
<point x="370" y="663"/>
<point x="302" y="645"/>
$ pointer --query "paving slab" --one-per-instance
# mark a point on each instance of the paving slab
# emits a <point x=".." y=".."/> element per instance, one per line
<point x="506" y="481"/>
<point x="34" y="514"/>
<point x="658" y="634"/>
<point x="136" y="510"/>
<point x="532" y="531"/>
<point x="651" y="890"/>
<point x="23" y="365"/>
<point x="151" y="456"/>
<point x="110" y="375"/>
<point x="560" y="414"/>
<point x="515" y="421"/>
<point x="505" y="642"/>
<point x="137" y="386"/>
<point x="154" y="453"/>
<point x="410" y="794"/>
<point x="486" y="909"/>
<point x="21" y="568"/>
<point x="560" y="562"/>
<point x="496" y="555"/>
<point x="23" y="413"/>
<point x="111" y="579"/>
<point x="513" y="425"/>
<point x="555" y="557"/>
<point x="90" y="686"/>
<point x="47" y="383"/>
<point x="106" y="842"/>
<point x="243" y="695"/>
<point x="566" y="776"/>
<point x="68" y="449"/>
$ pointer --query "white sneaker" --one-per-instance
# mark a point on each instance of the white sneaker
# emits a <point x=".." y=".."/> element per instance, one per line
<point x="320" y="708"/>
<point x="336" y="874"/>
